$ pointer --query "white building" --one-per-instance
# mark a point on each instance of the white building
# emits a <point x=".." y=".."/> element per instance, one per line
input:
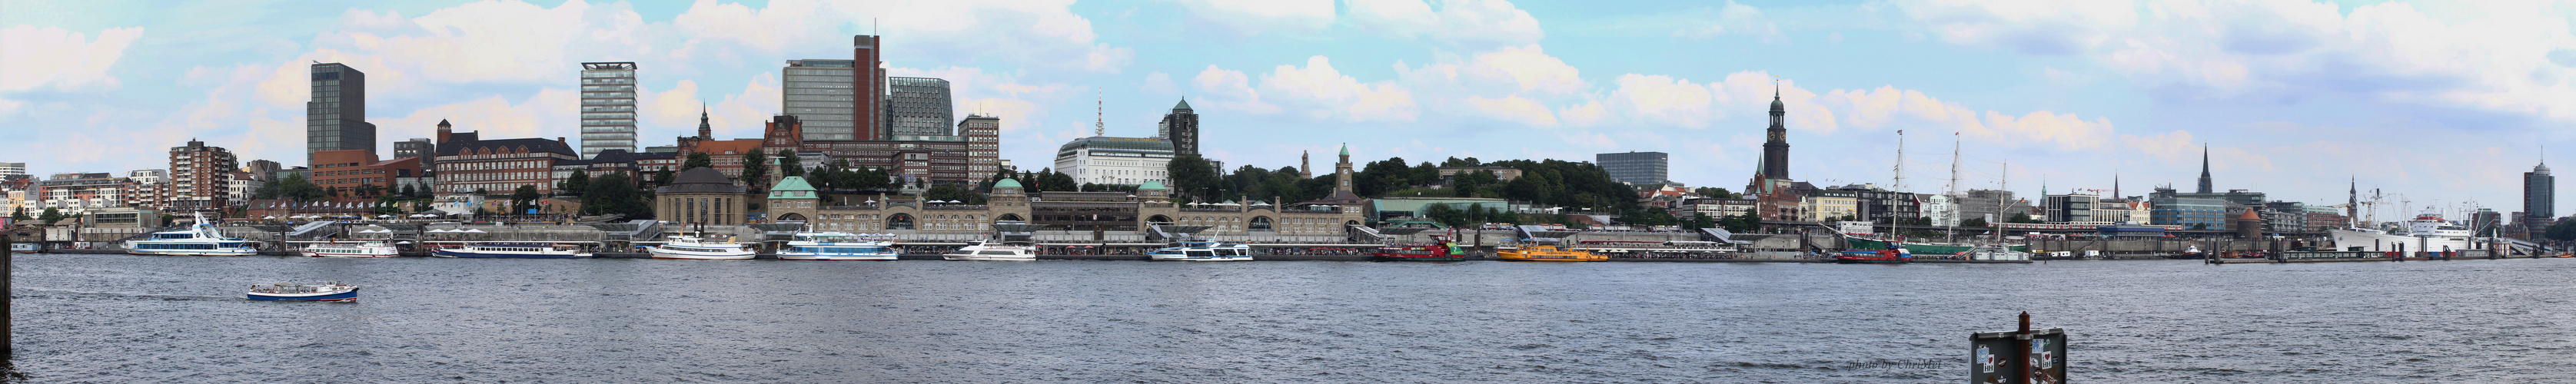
<point x="1940" y="209"/>
<point x="1115" y="160"/>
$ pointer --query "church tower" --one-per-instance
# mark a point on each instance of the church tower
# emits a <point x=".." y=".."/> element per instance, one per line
<point x="1775" y="152"/>
<point x="2204" y="168"/>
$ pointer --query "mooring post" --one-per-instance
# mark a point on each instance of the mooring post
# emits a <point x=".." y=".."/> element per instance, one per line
<point x="8" y="268"/>
<point x="2023" y="375"/>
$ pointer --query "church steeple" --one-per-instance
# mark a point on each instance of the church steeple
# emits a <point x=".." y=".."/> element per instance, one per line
<point x="2204" y="168"/>
<point x="705" y="131"/>
<point x="1775" y="151"/>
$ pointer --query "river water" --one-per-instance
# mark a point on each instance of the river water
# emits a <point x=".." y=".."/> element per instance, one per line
<point x="118" y="318"/>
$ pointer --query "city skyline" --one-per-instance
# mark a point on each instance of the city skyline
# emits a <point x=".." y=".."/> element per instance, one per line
<point x="2290" y="98"/>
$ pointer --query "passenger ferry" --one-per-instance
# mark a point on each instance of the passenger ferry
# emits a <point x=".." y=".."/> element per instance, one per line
<point x="1547" y="253"/>
<point x="1202" y="250"/>
<point x="838" y="246"/>
<point x="200" y="239"/>
<point x="695" y="248"/>
<point x="982" y="250"/>
<point x="331" y="291"/>
<point x="350" y="249"/>
<point x="512" y="251"/>
<point x="2426" y="233"/>
<point x="1440" y="249"/>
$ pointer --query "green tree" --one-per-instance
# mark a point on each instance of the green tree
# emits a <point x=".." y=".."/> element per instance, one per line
<point x="408" y="191"/>
<point x="1715" y="193"/>
<point x="2022" y="218"/>
<point x="755" y="169"/>
<point x="952" y="193"/>
<point x="2564" y="230"/>
<point x="1974" y="223"/>
<point x="51" y="215"/>
<point x="20" y="215"/>
<point x="576" y="184"/>
<point x="662" y="177"/>
<point x="1194" y="176"/>
<point x="1467" y="184"/>
<point x="615" y="193"/>
<point x="698" y="160"/>
<point x="523" y="199"/>
<point x="793" y="165"/>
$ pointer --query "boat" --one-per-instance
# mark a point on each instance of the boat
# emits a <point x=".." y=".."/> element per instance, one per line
<point x="1896" y="255"/>
<point x="24" y="247"/>
<point x="1866" y="242"/>
<point x="1547" y="253"/>
<point x="2192" y="252"/>
<point x="838" y="246"/>
<point x="350" y="249"/>
<point x="2425" y="233"/>
<point x="512" y="251"/>
<point x="983" y="250"/>
<point x="1201" y="250"/>
<point x="200" y="239"/>
<point x="330" y="291"/>
<point x="696" y="248"/>
<point x="1440" y="249"/>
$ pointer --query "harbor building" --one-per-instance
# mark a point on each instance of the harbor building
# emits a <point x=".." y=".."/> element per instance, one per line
<point x="418" y="148"/>
<point x="76" y="193"/>
<point x="2071" y="208"/>
<point x="356" y="175"/>
<point x="701" y="196"/>
<point x="200" y="178"/>
<point x="2190" y="211"/>
<point x="336" y="118"/>
<point x="607" y="107"/>
<point x="467" y="163"/>
<point x="918" y="106"/>
<point x="1115" y="160"/>
<point x="983" y="145"/>
<point x="1181" y="127"/>
<point x="1638" y="168"/>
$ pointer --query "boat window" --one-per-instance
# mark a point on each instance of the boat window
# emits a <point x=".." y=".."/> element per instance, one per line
<point x="1199" y="253"/>
<point x="1001" y="253"/>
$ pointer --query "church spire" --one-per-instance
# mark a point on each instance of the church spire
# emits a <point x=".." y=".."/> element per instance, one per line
<point x="705" y="131"/>
<point x="2204" y="168"/>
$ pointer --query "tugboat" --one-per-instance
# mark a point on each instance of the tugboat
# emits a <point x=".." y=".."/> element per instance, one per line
<point x="695" y="248"/>
<point x="1440" y="249"/>
<point x="1894" y="254"/>
<point x="512" y="251"/>
<point x="1201" y="250"/>
<point x="1547" y="253"/>
<point x="350" y="249"/>
<point x="837" y="246"/>
<point x="330" y="291"/>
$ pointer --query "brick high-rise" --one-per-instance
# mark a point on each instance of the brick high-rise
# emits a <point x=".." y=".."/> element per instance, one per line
<point x="200" y="177"/>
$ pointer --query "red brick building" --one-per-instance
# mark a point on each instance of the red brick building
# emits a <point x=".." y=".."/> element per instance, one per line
<point x="355" y="174"/>
<point x="467" y="163"/>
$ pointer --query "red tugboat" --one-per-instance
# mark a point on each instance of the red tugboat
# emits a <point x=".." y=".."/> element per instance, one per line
<point x="1894" y="254"/>
<point x="1441" y="249"/>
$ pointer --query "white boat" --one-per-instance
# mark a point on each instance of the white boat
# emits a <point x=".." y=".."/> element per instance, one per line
<point x="695" y="248"/>
<point x="23" y="247"/>
<point x="200" y="239"/>
<point x="2427" y="233"/>
<point x="981" y="250"/>
<point x="350" y="249"/>
<point x="512" y="251"/>
<point x="1200" y="250"/>
<point x="331" y="291"/>
<point x="838" y="246"/>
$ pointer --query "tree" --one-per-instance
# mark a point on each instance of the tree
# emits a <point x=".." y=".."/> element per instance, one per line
<point x="1974" y="223"/>
<point x="794" y="166"/>
<point x="755" y="168"/>
<point x="2022" y="218"/>
<point x="51" y="215"/>
<point x="698" y="160"/>
<point x="2564" y="230"/>
<point x="523" y="199"/>
<point x="1715" y="193"/>
<point x="576" y="184"/>
<point x="615" y="193"/>
<point x="408" y="191"/>
<point x="1193" y="176"/>
<point x="661" y="178"/>
<point x="952" y="192"/>
<point x="20" y="215"/>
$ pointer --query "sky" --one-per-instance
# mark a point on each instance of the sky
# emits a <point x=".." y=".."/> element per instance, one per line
<point x="2436" y="104"/>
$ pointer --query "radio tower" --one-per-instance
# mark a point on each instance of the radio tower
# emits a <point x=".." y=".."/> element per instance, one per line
<point x="1100" y="114"/>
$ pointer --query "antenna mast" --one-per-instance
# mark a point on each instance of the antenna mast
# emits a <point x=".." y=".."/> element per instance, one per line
<point x="1954" y="187"/>
<point x="1899" y="186"/>
<point x="1099" y="127"/>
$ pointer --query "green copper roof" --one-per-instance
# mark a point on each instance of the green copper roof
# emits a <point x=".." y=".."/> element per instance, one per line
<point x="1150" y="184"/>
<point x="1346" y="149"/>
<point x="1185" y="105"/>
<point x="793" y="187"/>
<point x="1007" y="183"/>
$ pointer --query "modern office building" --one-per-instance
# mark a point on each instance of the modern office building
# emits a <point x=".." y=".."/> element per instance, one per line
<point x="262" y="170"/>
<point x="918" y="106"/>
<point x="418" y="147"/>
<point x="2539" y="194"/>
<point x="200" y="178"/>
<point x="336" y="118"/>
<point x="13" y="171"/>
<point x="820" y="93"/>
<point x="1181" y="127"/>
<point x="1635" y="167"/>
<point x="983" y="145"/>
<point x="607" y="107"/>
<point x="1116" y="160"/>
<point x="2071" y="208"/>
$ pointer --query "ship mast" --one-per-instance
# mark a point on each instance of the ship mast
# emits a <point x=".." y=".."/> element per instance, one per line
<point x="1954" y="187"/>
<point x="1899" y="186"/>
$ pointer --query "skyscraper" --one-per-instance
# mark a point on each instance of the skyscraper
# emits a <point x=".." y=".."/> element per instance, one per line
<point x="1775" y="152"/>
<point x="336" y="118"/>
<point x="1181" y="127"/>
<point x="819" y="93"/>
<point x="198" y="178"/>
<point x="1635" y="167"/>
<point x="607" y="107"/>
<point x="2204" y="168"/>
<point x="919" y="106"/>
<point x="2539" y="195"/>
<point x="869" y="79"/>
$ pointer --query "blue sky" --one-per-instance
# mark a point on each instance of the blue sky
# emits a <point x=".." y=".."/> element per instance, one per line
<point x="2445" y="103"/>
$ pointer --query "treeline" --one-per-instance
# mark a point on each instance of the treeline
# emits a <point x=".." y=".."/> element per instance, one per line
<point x="1543" y="182"/>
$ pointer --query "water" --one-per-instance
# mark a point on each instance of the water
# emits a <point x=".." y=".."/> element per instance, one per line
<point x="117" y="318"/>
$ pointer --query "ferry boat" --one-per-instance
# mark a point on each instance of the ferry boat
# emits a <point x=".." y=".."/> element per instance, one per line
<point x="1547" y="253"/>
<point x="23" y="247"/>
<point x="695" y="248"/>
<point x="330" y="291"/>
<point x="838" y="246"/>
<point x="1440" y="249"/>
<point x="512" y="251"/>
<point x="1891" y="255"/>
<point x="1866" y="242"/>
<point x="2426" y="233"/>
<point x="200" y="239"/>
<point x="1201" y="250"/>
<point x="350" y="249"/>
<point x="982" y="250"/>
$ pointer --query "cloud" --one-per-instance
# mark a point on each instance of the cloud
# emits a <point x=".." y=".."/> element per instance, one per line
<point x="1256" y="17"/>
<point x="1514" y="109"/>
<point x="1731" y="19"/>
<point x="60" y="59"/>
<point x="1660" y="99"/>
<point x="1316" y="91"/>
<point x="1471" y="24"/>
<point x="2028" y="26"/>
<point x="1045" y="35"/>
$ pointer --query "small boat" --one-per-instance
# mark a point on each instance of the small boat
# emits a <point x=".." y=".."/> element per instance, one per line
<point x="695" y="248"/>
<point x="200" y="239"/>
<point x="330" y="291"/>
<point x="2191" y="252"/>
<point x="1201" y="250"/>
<point x="1547" y="253"/>
<point x="982" y="250"/>
<point x="350" y="249"/>
<point x="23" y="247"/>
<point x="1441" y="249"/>
<point x="838" y="246"/>
<point x="1893" y="255"/>
<point x="512" y="251"/>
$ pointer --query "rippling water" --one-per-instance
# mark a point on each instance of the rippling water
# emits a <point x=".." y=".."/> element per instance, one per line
<point x="117" y="318"/>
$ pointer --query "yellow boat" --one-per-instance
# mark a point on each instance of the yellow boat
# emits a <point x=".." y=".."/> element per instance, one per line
<point x="1548" y="253"/>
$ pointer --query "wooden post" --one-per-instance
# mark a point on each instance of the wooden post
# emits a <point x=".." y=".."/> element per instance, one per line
<point x="2023" y="375"/>
<point x="8" y="269"/>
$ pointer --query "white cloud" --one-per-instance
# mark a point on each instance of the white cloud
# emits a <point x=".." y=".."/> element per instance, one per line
<point x="1472" y="24"/>
<point x="1514" y="109"/>
<point x="1255" y="17"/>
<point x="2029" y="26"/>
<point x="1659" y="99"/>
<point x="1733" y="19"/>
<point x="1231" y="89"/>
<point x="61" y="59"/>
<point x="1316" y="91"/>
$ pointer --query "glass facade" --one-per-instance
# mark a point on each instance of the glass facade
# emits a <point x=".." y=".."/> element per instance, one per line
<point x="607" y="107"/>
<point x="919" y="106"/>
<point x="820" y="93"/>
<point x="1635" y="167"/>
<point x="2189" y="211"/>
<point x="336" y="117"/>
